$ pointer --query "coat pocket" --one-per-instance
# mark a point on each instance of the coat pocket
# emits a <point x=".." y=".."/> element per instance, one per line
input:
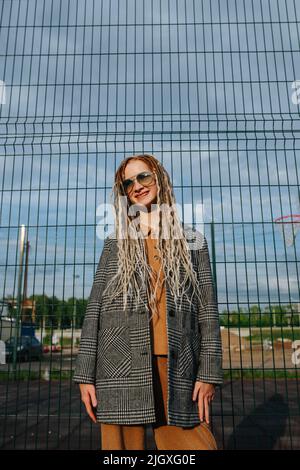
<point x="189" y="355"/>
<point x="114" y="352"/>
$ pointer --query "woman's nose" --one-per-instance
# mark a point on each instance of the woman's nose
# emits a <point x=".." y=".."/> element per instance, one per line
<point x="137" y="186"/>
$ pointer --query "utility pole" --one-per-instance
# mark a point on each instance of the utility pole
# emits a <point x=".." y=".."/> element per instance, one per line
<point x="213" y="255"/>
<point x="19" y="300"/>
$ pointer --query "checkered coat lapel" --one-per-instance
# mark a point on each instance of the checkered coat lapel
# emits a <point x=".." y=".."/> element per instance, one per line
<point x="115" y="349"/>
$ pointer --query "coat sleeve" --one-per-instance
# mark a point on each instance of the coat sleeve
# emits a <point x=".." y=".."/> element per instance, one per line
<point x="86" y="358"/>
<point x="210" y="358"/>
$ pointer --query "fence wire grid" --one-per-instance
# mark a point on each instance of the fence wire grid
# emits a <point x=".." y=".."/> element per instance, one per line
<point x="211" y="88"/>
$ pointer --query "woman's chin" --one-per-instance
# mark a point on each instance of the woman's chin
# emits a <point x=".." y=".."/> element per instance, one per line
<point x="147" y="204"/>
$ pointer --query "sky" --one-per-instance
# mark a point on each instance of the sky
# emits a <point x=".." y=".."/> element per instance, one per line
<point x="208" y="87"/>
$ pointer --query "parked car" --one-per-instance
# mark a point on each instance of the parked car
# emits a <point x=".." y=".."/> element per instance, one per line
<point x="28" y="348"/>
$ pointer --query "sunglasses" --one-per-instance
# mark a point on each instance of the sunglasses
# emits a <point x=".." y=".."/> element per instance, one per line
<point x="145" y="178"/>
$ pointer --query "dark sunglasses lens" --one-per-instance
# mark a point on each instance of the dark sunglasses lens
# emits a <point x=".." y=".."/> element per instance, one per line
<point x="127" y="184"/>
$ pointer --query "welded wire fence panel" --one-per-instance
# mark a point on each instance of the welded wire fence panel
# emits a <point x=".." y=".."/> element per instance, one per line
<point x="212" y="89"/>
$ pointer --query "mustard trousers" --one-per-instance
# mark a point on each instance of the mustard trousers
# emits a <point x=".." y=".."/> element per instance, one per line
<point x="167" y="437"/>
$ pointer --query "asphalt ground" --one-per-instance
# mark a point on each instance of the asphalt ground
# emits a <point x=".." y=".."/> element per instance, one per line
<point x="248" y="414"/>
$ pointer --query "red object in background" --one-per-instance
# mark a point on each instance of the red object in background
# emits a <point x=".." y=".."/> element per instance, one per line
<point x="54" y="348"/>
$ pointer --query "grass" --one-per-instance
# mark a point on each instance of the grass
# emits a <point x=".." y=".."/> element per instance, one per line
<point x="260" y="374"/>
<point x="274" y="335"/>
<point x="56" y="375"/>
<point x="62" y="341"/>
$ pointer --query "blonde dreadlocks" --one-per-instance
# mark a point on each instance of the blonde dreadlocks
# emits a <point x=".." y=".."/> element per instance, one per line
<point x="172" y="245"/>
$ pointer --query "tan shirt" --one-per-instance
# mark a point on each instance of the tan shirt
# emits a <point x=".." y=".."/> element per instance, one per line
<point x="158" y="324"/>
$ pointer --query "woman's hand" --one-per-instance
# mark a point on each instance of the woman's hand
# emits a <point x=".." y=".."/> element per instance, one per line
<point x="206" y="393"/>
<point x="88" y="396"/>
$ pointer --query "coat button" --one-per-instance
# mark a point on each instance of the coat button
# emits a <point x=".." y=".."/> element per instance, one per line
<point x="172" y="313"/>
<point x="173" y="354"/>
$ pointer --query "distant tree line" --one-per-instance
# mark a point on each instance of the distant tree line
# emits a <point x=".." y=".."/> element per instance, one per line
<point x="274" y="315"/>
<point x="52" y="312"/>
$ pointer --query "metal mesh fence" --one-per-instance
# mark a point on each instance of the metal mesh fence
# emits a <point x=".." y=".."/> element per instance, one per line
<point x="210" y="88"/>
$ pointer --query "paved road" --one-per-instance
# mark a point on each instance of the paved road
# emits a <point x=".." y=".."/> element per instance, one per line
<point x="250" y="414"/>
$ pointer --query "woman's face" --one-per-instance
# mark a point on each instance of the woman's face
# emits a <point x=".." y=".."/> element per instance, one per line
<point x="140" y="194"/>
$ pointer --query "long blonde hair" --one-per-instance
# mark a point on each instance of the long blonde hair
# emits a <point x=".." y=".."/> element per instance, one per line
<point x="173" y="249"/>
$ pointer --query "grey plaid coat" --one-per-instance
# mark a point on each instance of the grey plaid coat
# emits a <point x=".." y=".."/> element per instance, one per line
<point x="115" y="352"/>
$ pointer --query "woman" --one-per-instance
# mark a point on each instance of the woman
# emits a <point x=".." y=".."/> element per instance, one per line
<point x="150" y="348"/>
